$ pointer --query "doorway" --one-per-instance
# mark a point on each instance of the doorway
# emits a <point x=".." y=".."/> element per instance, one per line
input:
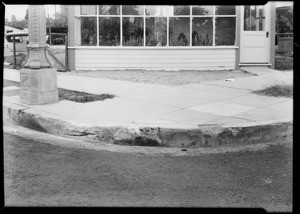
<point x="255" y="34"/>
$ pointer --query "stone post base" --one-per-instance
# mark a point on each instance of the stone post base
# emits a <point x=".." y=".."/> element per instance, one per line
<point x="38" y="86"/>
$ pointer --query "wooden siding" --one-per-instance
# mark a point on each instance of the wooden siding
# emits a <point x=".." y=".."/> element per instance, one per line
<point x="154" y="59"/>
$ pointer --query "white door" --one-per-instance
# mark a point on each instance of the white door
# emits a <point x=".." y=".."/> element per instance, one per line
<point x="255" y="36"/>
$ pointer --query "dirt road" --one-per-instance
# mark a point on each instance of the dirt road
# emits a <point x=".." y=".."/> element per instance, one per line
<point x="41" y="174"/>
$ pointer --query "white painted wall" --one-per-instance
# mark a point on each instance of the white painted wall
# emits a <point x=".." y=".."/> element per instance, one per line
<point x="211" y="58"/>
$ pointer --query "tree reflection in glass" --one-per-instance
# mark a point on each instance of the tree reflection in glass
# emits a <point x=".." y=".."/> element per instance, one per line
<point x="202" y="10"/>
<point x="181" y="10"/>
<point x="225" y="10"/>
<point x="156" y="31"/>
<point x="109" y="9"/>
<point x="132" y="10"/>
<point x="133" y="31"/>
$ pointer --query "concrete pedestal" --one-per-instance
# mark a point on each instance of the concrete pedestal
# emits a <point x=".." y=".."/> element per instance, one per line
<point x="38" y="86"/>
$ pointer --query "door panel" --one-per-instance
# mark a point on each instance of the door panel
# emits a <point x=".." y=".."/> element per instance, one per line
<point x="254" y="34"/>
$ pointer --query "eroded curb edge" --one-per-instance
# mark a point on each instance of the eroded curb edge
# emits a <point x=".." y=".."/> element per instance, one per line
<point x="203" y="136"/>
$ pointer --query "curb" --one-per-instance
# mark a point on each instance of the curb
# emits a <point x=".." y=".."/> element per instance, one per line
<point x="203" y="136"/>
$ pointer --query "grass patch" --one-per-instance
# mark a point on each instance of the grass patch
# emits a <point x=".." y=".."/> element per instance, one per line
<point x="81" y="97"/>
<point x="277" y="90"/>
<point x="284" y="62"/>
<point x="76" y="96"/>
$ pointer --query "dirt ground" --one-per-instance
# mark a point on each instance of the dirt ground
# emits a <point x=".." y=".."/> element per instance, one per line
<point x="41" y="174"/>
<point x="165" y="77"/>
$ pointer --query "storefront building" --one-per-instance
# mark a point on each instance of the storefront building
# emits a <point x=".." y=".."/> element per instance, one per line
<point x="196" y="37"/>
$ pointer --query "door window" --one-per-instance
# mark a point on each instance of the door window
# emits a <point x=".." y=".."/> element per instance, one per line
<point x="254" y="18"/>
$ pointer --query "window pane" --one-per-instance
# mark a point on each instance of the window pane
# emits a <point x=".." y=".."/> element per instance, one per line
<point x="156" y="31"/>
<point x="225" y="10"/>
<point x="88" y="10"/>
<point x="88" y="31"/>
<point x="159" y="10"/>
<point x="132" y="10"/>
<point x="202" y="32"/>
<point x="181" y="10"/>
<point x="179" y="31"/>
<point x="254" y="18"/>
<point x="225" y="31"/>
<point x="203" y="10"/>
<point x="109" y="9"/>
<point x="133" y="31"/>
<point x="261" y="13"/>
<point x="249" y="18"/>
<point x="109" y="31"/>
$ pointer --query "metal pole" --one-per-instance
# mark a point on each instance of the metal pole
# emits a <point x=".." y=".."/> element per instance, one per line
<point x="14" y="50"/>
<point x="50" y="39"/>
<point x="66" y="52"/>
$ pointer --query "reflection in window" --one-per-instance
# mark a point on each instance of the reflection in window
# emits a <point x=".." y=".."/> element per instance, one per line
<point x="208" y="22"/>
<point x="109" y="10"/>
<point x="225" y="10"/>
<point x="181" y="10"/>
<point x="109" y="31"/>
<point x="225" y="31"/>
<point x="132" y="10"/>
<point x="156" y="31"/>
<point x="133" y="31"/>
<point x="202" y="32"/>
<point x="88" y="31"/>
<point x="261" y="16"/>
<point x="253" y="18"/>
<point x="179" y="31"/>
<point x="202" y="10"/>
<point x="159" y="10"/>
<point x="88" y="10"/>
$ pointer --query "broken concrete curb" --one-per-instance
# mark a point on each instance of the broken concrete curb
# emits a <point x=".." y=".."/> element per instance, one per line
<point x="204" y="136"/>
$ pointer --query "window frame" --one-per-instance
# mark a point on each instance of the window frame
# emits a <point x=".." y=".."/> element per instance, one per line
<point x="214" y="16"/>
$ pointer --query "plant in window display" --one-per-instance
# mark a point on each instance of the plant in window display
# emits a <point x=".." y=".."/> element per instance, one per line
<point x="180" y="41"/>
<point x="201" y="40"/>
<point x="88" y="31"/>
<point x="109" y="32"/>
<point x="88" y="37"/>
<point x="133" y="34"/>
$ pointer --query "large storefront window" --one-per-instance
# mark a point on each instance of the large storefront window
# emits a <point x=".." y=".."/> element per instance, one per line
<point x="142" y="26"/>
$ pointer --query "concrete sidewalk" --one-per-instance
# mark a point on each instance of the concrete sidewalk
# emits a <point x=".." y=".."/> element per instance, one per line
<point x="207" y="114"/>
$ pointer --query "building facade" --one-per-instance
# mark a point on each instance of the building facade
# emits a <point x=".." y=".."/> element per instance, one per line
<point x="196" y="37"/>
